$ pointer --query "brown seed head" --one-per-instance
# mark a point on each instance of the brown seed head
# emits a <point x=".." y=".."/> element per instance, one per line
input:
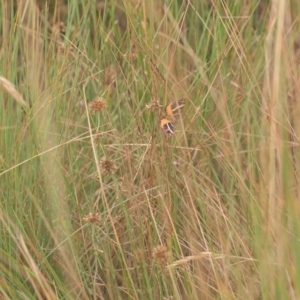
<point x="107" y="165"/>
<point x="93" y="218"/>
<point x="160" y="254"/>
<point x="153" y="105"/>
<point x="97" y="105"/>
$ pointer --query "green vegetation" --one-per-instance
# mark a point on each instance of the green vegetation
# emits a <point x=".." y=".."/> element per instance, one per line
<point x="97" y="203"/>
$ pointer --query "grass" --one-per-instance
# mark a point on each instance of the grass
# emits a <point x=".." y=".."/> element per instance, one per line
<point x="97" y="203"/>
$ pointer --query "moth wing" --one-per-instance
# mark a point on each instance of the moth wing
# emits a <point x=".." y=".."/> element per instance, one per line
<point x="174" y="109"/>
<point x="167" y="126"/>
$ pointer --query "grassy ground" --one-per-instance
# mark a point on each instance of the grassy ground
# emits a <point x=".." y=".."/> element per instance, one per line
<point x="97" y="203"/>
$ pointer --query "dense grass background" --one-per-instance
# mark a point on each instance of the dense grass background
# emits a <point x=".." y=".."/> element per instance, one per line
<point x="96" y="203"/>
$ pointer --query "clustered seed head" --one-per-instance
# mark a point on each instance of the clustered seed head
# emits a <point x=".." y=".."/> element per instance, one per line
<point x="58" y="29"/>
<point x="97" y="105"/>
<point x="160" y="254"/>
<point x="93" y="218"/>
<point x="153" y="105"/>
<point x="107" y="165"/>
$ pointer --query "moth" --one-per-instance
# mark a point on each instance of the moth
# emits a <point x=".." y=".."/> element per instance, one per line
<point x="173" y="111"/>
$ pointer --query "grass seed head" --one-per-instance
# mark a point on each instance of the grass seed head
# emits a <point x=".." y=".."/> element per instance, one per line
<point x="160" y="254"/>
<point x="97" y="104"/>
